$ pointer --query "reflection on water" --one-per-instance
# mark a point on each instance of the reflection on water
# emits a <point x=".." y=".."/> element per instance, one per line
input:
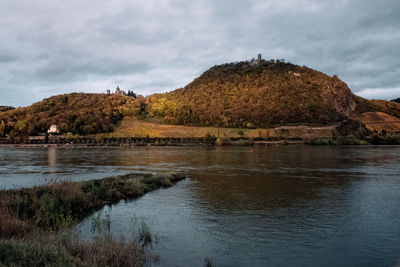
<point x="52" y="157"/>
<point x="244" y="206"/>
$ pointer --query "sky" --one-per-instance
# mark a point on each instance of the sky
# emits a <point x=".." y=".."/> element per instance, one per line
<point x="54" y="47"/>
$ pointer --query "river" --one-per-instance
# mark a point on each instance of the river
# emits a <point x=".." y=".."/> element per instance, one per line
<point x="243" y="206"/>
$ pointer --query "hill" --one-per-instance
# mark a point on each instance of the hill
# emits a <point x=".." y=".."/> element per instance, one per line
<point x="256" y="94"/>
<point x="364" y="105"/>
<point x="379" y="121"/>
<point x="250" y="94"/>
<point x="397" y="100"/>
<point x="77" y="113"/>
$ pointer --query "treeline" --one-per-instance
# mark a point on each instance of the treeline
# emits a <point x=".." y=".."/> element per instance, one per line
<point x="5" y="108"/>
<point x="244" y="94"/>
<point x="75" y="113"/>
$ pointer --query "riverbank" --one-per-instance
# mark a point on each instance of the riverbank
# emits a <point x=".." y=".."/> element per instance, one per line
<point x="239" y="142"/>
<point x="31" y="219"/>
<point x="375" y="139"/>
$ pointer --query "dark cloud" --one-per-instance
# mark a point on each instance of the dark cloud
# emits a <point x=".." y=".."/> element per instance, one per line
<point x="51" y="47"/>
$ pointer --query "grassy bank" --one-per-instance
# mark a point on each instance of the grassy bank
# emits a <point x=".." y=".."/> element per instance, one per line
<point x="67" y="249"/>
<point x="30" y="220"/>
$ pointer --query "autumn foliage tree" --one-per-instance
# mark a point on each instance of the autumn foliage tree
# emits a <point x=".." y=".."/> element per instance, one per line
<point x="244" y="94"/>
<point x="77" y="113"/>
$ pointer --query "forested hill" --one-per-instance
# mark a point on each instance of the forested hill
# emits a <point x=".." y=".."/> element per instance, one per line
<point x="244" y="94"/>
<point x="258" y="93"/>
<point x="78" y="113"/>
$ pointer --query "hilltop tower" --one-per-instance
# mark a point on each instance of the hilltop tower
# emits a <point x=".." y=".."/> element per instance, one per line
<point x="256" y="61"/>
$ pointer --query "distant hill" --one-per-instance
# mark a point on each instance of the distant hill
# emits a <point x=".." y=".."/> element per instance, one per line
<point x="78" y="113"/>
<point x="389" y="107"/>
<point x="378" y="121"/>
<point x="397" y="100"/>
<point x="259" y="94"/>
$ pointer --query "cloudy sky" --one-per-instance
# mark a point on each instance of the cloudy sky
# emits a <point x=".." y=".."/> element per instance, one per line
<point x="52" y="47"/>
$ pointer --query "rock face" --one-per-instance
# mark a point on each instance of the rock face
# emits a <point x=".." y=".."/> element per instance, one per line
<point x="337" y="93"/>
<point x="266" y="94"/>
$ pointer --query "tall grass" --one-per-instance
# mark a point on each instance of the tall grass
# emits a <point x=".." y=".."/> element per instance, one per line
<point x="59" y="205"/>
<point x="67" y="249"/>
<point x="31" y="220"/>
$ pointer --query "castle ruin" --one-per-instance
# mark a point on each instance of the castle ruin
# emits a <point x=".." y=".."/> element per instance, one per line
<point x="118" y="91"/>
<point x="256" y="61"/>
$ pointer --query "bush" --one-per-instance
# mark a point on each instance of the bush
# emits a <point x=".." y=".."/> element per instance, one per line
<point x="348" y="140"/>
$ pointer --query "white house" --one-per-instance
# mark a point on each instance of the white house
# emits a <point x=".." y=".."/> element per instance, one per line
<point x="53" y="129"/>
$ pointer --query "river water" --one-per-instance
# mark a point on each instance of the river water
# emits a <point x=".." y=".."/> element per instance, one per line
<point x="243" y="206"/>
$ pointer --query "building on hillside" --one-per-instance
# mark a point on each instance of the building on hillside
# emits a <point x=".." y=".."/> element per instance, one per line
<point x="118" y="91"/>
<point x="53" y="129"/>
<point x="256" y="61"/>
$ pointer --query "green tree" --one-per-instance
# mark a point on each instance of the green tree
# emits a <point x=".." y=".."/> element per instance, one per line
<point x="88" y="129"/>
<point x="64" y="127"/>
<point x="20" y="126"/>
<point x="70" y="136"/>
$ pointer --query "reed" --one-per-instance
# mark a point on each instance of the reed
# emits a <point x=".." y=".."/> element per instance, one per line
<point x="59" y="205"/>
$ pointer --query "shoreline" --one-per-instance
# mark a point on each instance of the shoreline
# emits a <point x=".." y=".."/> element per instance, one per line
<point x="34" y="222"/>
<point x="22" y="209"/>
<point x="255" y="143"/>
<point x="242" y="142"/>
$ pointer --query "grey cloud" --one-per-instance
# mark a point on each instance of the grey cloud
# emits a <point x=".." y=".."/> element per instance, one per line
<point x="51" y="47"/>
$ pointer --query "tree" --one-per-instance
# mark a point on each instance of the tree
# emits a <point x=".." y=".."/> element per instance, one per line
<point x="70" y="136"/>
<point x="20" y="126"/>
<point x="131" y="93"/>
<point x="64" y="128"/>
<point x="142" y="108"/>
<point x="2" y="129"/>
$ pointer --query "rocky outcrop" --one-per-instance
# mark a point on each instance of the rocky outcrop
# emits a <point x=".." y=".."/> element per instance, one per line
<point x="338" y="94"/>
